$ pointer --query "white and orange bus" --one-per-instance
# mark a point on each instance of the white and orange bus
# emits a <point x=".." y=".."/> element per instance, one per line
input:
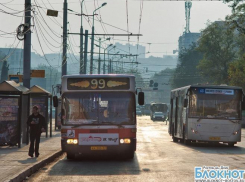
<point x="99" y="115"/>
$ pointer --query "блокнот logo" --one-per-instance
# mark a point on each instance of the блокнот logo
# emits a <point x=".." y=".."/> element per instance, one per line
<point x="218" y="174"/>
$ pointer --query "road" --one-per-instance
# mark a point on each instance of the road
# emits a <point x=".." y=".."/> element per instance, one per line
<point x="157" y="158"/>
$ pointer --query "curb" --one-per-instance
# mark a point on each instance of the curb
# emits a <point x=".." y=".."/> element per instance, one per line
<point x="32" y="169"/>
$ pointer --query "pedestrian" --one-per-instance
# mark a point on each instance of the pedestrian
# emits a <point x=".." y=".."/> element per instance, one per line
<point x="37" y="125"/>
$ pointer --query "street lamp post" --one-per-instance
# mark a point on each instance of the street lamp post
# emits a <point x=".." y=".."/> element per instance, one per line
<point x="92" y="40"/>
<point x="99" y="62"/>
<point x="109" y="61"/>
<point x="104" y="58"/>
<point x="81" y="41"/>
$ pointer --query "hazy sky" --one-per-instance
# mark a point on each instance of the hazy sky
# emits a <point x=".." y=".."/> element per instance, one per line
<point x="162" y="22"/>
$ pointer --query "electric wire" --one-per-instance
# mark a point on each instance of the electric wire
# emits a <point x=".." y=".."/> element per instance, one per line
<point x="141" y="10"/>
<point x="44" y="37"/>
<point x="128" y="26"/>
<point x="54" y="33"/>
<point x="42" y="48"/>
<point x="52" y="18"/>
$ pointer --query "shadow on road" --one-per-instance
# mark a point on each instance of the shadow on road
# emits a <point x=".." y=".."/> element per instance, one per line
<point x="27" y="161"/>
<point x="214" y="148"/>
<point x="98" y="166"/>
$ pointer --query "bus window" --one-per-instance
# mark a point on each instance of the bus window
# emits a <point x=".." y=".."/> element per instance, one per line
<point x="215" y="106"/>
<point x="103" y="108"/>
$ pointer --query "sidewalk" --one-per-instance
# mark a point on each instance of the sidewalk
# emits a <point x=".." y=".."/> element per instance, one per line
<point x="16" y="164"/>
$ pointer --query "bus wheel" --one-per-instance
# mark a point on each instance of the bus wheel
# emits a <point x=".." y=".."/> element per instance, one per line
<point x="231" y="144"/>
<point x="70" y="156"/>
<point x="175" y="139"/>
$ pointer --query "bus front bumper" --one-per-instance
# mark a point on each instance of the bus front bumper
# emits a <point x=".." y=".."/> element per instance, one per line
<point x="77" y="149"/>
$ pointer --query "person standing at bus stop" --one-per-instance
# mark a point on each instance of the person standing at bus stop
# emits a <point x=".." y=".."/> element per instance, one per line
<point x="37" y="125"/>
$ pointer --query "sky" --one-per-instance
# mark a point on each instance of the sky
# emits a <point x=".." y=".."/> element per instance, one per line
<point x="162" y="22"/>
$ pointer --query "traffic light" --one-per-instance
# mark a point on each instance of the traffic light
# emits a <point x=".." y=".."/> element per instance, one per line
<point x="151" y="83"/>
<point x="155" y="86"/>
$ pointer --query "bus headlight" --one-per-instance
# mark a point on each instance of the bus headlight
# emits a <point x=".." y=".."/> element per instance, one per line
<point x="125" y="140"/>
<point x="72" y="141"/>
<point x="235" y="133"/>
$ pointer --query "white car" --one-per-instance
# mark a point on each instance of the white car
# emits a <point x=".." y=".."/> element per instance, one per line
<point x="158" y="116"/>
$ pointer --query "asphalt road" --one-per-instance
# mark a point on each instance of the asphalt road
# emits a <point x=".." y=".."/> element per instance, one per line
<point x="157" y="158"/>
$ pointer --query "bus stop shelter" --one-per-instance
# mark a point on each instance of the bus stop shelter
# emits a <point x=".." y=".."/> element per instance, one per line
<point x="43" y="99"/>
<point x="11" y="112"/>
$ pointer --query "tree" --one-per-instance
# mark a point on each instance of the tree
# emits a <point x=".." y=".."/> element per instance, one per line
<point x="217" y="43"/>
<point x="237" y="18"/>
<point x="165" y="75"/>
<point x="186" y="72"/>
<point x="237" y="72"/>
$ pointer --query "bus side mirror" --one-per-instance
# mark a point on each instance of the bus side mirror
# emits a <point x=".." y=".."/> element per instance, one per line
<point x="141" y="98"/>
<point x="185" y="102"/>
<point x="55" y="101"/>
<point x="243" y="105"/>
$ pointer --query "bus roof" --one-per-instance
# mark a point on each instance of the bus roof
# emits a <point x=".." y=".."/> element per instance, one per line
<point x="98" y="82"/>
<point x="207" y="86"/>
<point x="97" y="76"/>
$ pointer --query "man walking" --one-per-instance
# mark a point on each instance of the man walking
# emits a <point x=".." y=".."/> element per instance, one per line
<point x="37" y="125"/>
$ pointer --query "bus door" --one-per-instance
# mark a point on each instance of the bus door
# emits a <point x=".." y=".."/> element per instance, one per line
<point x="176" y="116"/>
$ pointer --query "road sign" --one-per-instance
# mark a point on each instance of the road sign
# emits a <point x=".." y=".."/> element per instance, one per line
<point x="16" y="78"/>
<point x="52" y="13"/>
<point x="38" y="73"/>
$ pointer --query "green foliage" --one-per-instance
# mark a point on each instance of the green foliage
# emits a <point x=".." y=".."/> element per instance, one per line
<point x="237" y="73"/>
<point x="233" y="3"/>
<point x="237" y="18"/>
<point x="219" y="49"/>
<point x="186" y="72"/>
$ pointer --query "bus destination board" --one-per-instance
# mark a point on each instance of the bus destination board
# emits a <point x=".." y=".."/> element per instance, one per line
<point x="98" y="84"/>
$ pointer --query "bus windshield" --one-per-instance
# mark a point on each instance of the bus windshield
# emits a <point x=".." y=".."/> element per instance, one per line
<point x="159" y="108"/>
<point x="98" y="108"/>
<point x="215" y="106"/>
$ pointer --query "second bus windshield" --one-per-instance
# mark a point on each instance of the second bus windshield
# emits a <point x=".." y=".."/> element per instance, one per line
<point x="98" y="108"/>
<point x="215" y="105"/>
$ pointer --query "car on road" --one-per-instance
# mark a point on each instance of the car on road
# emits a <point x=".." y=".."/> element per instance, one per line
<point x="138" y="112"/>
<point x="158" y="116"/>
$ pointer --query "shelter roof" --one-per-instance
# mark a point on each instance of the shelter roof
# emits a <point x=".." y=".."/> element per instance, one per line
<point x="35" y="89"/>
<point x="12" y="86"/>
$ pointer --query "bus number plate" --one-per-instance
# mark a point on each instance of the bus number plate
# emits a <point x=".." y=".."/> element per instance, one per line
<point x="98" y="148"/>
<point x="214" y="138"/>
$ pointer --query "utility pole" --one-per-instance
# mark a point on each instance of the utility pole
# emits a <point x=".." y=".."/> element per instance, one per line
<point x="99" y="56"/>
<point x="85" y="52"/>
<point x="64" y="57"/>
<point x="27" y="46"/>
<point x="81" y="42"/>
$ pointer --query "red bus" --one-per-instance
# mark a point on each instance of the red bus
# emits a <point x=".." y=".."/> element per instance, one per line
<point x="98" y="115"/>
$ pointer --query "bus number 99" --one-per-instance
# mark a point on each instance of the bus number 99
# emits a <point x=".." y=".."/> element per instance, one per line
<point x="97" y="83"/>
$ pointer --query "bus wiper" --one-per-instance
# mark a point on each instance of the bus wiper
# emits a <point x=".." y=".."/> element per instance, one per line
<point x="93" y="122"/>
<point x="199" y="119"/>
<point x="109" y="122"/>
